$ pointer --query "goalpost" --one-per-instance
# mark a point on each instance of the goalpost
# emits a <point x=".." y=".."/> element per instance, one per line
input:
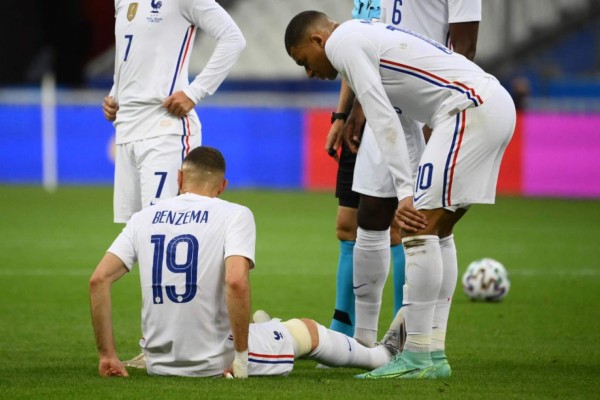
<point x="48" y="103"/>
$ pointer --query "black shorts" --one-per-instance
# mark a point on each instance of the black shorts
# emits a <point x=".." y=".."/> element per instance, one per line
<point x="345" y="176"/>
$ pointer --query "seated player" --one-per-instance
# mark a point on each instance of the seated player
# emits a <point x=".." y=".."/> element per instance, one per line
<point x="195" y="253"/>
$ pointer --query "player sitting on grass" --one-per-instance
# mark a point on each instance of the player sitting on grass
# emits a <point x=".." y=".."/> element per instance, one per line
<point x="195" y="252"/>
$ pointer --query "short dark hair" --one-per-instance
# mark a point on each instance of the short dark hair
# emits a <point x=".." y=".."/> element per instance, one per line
<point x="206" y="158"/>
<point x="296" y="29"/>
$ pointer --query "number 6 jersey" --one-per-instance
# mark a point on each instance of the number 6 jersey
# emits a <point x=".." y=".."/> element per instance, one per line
<point x="181" y="245"/>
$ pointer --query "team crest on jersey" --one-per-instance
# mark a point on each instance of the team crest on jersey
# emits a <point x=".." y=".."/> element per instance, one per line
<point x="131" y="11"/>
<point x="156" y="5"/>
<point x="154" y="14"/>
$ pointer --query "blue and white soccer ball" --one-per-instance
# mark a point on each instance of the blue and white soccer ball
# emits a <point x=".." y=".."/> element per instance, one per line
<point x="486" y="279"/>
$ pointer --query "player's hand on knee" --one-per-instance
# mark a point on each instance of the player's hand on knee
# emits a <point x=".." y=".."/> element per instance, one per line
<point x="410" y="219"/>
<point x="334" y="139"/>
<point x="178" y="104"/>
<point x="110" y="108"/>
<point x="111" y="366"/>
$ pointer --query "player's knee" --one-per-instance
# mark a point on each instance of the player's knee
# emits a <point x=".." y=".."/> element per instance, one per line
<point x="305" y="334"/>
<point x="346" y="224"/>
<point x="346" y="233"/>
<point x="375" y="213"/>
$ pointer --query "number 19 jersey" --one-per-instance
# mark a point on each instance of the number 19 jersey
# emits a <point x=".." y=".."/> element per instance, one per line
<point x="180" y="245"/>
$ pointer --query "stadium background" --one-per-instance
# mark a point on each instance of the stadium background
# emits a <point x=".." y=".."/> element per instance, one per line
<point x="270" y="121"/>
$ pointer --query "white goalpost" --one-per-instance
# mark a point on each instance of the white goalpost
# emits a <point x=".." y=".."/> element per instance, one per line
<point x="48" y="103"/>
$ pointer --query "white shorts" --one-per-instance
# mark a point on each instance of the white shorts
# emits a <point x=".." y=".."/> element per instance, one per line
<point x="146" y="172"/>
<point x="372" y="176"/>
<point x="270" y="349"/>
<point x="461" y="162"/>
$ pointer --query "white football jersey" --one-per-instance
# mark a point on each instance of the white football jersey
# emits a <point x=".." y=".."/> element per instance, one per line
<point x="430" y="17"/>
<point x="180" y="245"/>
<point x="392" y="69"/>
<point x="154" y="39"/>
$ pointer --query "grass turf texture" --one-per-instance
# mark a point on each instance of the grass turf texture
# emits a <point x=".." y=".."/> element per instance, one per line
<point x="540" y="342"/>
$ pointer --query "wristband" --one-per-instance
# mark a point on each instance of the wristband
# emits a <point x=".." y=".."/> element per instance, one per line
<point x="338" y="115"/>
<point x="240" y="364"/>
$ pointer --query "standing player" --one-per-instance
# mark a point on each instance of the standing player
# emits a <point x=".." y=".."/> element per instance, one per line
<point x="195" y="253"/>
<point x="152" y="102"/>
<point x="346" y="222"/>
<point x="472" y="119"/>
<point x="455" y="23"/>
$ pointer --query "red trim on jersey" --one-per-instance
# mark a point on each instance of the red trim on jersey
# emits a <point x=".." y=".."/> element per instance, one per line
<point x="187" y="136"/>
<point x="187" y="46"/>
<point x="460" y="138"/>
<point x="438" y="78"/>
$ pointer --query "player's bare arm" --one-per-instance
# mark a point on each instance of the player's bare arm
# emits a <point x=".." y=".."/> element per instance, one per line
<point x="237" y="297"/>
<point x="463" y="36"/>
<point x="334" y="137"/>
<point x="110" y="269"/>
<point x="179" y="104"/>
<point x="353" y="129"/>
<point x="110" y="108"/>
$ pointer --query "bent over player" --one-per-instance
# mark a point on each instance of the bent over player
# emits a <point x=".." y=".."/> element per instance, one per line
<point x="195" y="252"/>
<point x="152" y="101"/>
<point x="451" y="22"/>
<point x="393" y="71"/>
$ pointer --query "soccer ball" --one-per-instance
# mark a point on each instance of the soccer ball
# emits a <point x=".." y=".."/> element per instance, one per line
<point x="486" y="279"/>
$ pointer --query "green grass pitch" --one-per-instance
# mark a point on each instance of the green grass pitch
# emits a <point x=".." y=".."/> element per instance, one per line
<point x="540" y="342"/>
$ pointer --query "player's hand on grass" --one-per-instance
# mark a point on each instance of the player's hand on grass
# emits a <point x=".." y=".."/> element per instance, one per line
<point x="353" y="129"/>
<point x="239" y="368"/>
<point x="410" y="219"/>
<point x="178" y="104"/>
<point x="111" y="366"/>
<point x="334" y="139"/>
<point x="110" y="108"/>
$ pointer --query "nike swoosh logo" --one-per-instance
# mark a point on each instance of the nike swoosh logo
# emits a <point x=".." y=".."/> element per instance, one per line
<point x="349" y="345"/>
<point x="415" y="199"/>
<point x="359" y="286"/>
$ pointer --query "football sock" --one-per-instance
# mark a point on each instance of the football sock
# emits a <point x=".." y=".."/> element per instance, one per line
<point x="438" y="356"/>
<point x="371" y="268"/>
<point x="338" y="350"/>
<point x="398" y="263"/>
<point x="423" y="281"/>
<point x="344" y="294"/>
<point x="444" y="300"/>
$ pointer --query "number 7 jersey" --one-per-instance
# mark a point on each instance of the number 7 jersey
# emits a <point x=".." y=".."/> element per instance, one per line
<point x="154" y="40"/>
<point x="181" y="245"/>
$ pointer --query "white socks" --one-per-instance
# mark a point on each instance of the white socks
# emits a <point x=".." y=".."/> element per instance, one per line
<point x="338" y="350"/>
<point x="423" y="282"/>
<point x="444" y="300"/>
<point x="371" y="268"/>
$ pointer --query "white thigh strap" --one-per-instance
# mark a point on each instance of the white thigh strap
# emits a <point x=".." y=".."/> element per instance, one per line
<point x="301" y="335"/>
